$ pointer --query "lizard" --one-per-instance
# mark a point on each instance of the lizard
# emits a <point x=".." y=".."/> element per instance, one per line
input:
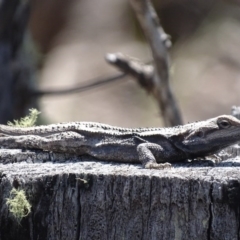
<point x="155" y="148"/>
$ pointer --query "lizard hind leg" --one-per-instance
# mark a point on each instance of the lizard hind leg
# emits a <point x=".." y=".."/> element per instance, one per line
<point x="147" y="158"/>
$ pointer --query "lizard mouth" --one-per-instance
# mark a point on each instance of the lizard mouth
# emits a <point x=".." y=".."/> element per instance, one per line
<point x="192" y="142"/>
<point x="194" y="145"/>
<point x="202" y="142"/>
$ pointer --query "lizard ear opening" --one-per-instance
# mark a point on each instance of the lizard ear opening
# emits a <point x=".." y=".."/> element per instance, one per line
<point x="223" y="123"/>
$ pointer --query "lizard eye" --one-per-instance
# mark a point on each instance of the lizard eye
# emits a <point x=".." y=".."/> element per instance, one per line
<point x="224" y="124"/>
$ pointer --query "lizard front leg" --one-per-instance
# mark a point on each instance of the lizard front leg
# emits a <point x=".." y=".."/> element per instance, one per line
<point x="147" y="153"/>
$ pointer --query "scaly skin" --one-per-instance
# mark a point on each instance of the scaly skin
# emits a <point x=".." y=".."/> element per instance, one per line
<point x="153" y="147"/>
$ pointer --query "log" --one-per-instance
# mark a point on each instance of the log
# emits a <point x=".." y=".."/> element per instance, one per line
<point x="87" y="199"/>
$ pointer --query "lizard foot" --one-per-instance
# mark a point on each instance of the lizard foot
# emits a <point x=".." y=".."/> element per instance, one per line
<point x="158" y="165"/>
<point x="215" y="158"/>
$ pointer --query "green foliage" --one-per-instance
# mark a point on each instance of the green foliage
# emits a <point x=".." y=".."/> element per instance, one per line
<point x="27" y="121"/>
<point x="18" y="204"/>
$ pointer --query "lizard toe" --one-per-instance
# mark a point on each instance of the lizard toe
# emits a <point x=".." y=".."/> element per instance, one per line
<point x="158" y="165"/>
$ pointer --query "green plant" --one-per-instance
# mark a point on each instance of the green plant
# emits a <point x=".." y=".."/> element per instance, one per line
<point x="18" y="204"/>
<point x="27" y="121"/>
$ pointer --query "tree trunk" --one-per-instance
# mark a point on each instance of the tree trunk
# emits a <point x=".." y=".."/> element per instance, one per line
<point x="16" y="64"/>
<point x="83" y="199"/>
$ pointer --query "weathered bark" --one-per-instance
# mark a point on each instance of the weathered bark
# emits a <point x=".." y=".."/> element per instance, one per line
<point x="96" y="200"/>
<point x="16" y="64"/>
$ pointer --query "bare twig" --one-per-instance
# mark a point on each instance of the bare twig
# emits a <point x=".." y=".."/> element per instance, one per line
<point x="142" y="72"/>
<point x="154" y="79"/>
<point x="159" y="43"/>
<point x="77" y="88"/>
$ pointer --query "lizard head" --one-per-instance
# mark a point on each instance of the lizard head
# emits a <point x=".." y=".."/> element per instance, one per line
<point x="209" y="136"/>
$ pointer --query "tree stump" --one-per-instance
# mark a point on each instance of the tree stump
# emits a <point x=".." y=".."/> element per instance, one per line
<point x="87" y="199"/>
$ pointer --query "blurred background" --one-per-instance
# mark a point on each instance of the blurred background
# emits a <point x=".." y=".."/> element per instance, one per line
<point x="64" y="44"/>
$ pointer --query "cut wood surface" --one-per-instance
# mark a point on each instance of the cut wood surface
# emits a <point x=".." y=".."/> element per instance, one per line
<point x="86" y="199"/>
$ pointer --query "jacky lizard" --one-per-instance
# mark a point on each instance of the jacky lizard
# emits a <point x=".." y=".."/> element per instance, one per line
<point x="153" y="147"/>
